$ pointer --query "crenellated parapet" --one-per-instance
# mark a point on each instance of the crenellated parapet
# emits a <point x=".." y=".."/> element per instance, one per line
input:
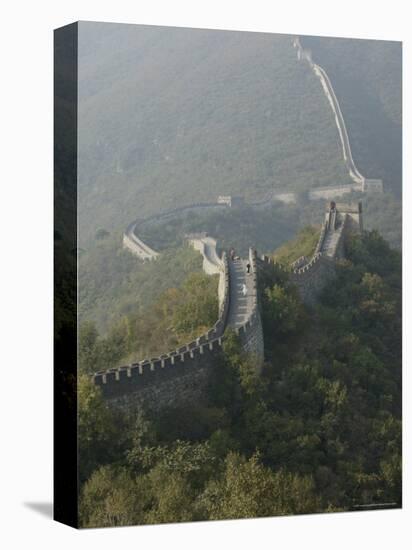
<point x="132" y="385"/>
<point x="266" y="260"/>
<point x="164" y="380"/>
<point x="311" y="276"/>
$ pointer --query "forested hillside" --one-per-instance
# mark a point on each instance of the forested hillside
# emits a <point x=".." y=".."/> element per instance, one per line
<point x="318" y="431"/>
<point x="114" y="283"/>
<point x="175" y="316"/>
<point x="171" y="116"/>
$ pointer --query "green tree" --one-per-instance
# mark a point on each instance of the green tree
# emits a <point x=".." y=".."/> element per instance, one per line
<point x="97" y="428"/>
<point x="283" y="309"/>
<point x="247" y="489"/>
<point x="199" y="309"/>
<point x="88" y="348"/>
<point x="113" y="497"/>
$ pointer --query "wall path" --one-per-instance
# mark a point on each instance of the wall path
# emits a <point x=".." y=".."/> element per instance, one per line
<point x="361" y="182"/>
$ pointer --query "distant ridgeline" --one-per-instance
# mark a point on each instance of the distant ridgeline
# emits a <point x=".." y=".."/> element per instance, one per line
<point x="180" y="376"/>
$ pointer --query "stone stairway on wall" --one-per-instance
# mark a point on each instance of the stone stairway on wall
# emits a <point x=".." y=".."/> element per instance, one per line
<point x="332" y="241"/>
<point x="241" y="304"/>
<point x="244" y="315"/>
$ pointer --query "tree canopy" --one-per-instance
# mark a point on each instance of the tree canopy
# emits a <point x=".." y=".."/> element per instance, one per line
<point x="318" y="430"/>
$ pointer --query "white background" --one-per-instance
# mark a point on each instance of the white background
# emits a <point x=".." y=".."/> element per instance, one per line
<point x="26" y="270"/>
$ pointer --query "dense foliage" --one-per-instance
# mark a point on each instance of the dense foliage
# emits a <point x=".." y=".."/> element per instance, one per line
<point x="318" y="430"/>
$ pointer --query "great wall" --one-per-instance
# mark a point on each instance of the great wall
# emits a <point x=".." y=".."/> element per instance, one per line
<point x="181" y="375"/>
<point x="361" y="183"/>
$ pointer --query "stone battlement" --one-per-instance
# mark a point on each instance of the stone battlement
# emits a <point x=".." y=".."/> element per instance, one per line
<point x="133" y="379"/>
<point x="311" y="277"/>
<point x="181" y="374"/>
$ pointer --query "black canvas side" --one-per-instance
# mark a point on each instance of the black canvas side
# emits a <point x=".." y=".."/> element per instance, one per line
<point x="65" y="275"/>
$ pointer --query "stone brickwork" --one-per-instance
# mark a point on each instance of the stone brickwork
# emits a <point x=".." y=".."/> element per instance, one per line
<point x="311" y="278"/>
<point x="178" y="379"/>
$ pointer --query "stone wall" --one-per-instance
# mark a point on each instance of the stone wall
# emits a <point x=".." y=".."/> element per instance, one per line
<point x="178" y="379"/>
<point x="212" y="264"/>
<point x="286" y="198"/>
<point x="251" y="333"/>
<point x="361" y="183"/>
<point x="372" y="186"/>
<point x="312" y="278"/>
<point x="353" y="216"/>
<point x="140" y="249"/>
<point x="175" y="377"/>
<point x="332" y="192"/>
<point x="181" y="375"/>
<point x="143" y="251"/>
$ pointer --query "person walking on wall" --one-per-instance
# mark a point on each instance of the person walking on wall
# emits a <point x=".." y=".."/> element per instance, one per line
<point x="248" y="267"/>
<point x="244" y="289"/>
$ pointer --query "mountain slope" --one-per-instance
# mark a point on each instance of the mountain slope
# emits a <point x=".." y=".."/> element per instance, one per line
<point x="169" y="116"/>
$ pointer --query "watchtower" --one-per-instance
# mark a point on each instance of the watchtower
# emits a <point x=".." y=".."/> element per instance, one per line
<point x="354" y="221"/>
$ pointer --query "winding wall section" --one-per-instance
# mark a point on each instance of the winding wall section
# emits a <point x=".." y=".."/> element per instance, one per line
<point x="361" y="183"/>
<point x="181" y="375"/>
<point x="132" y="242"/>
<point x="311" y="276"/>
